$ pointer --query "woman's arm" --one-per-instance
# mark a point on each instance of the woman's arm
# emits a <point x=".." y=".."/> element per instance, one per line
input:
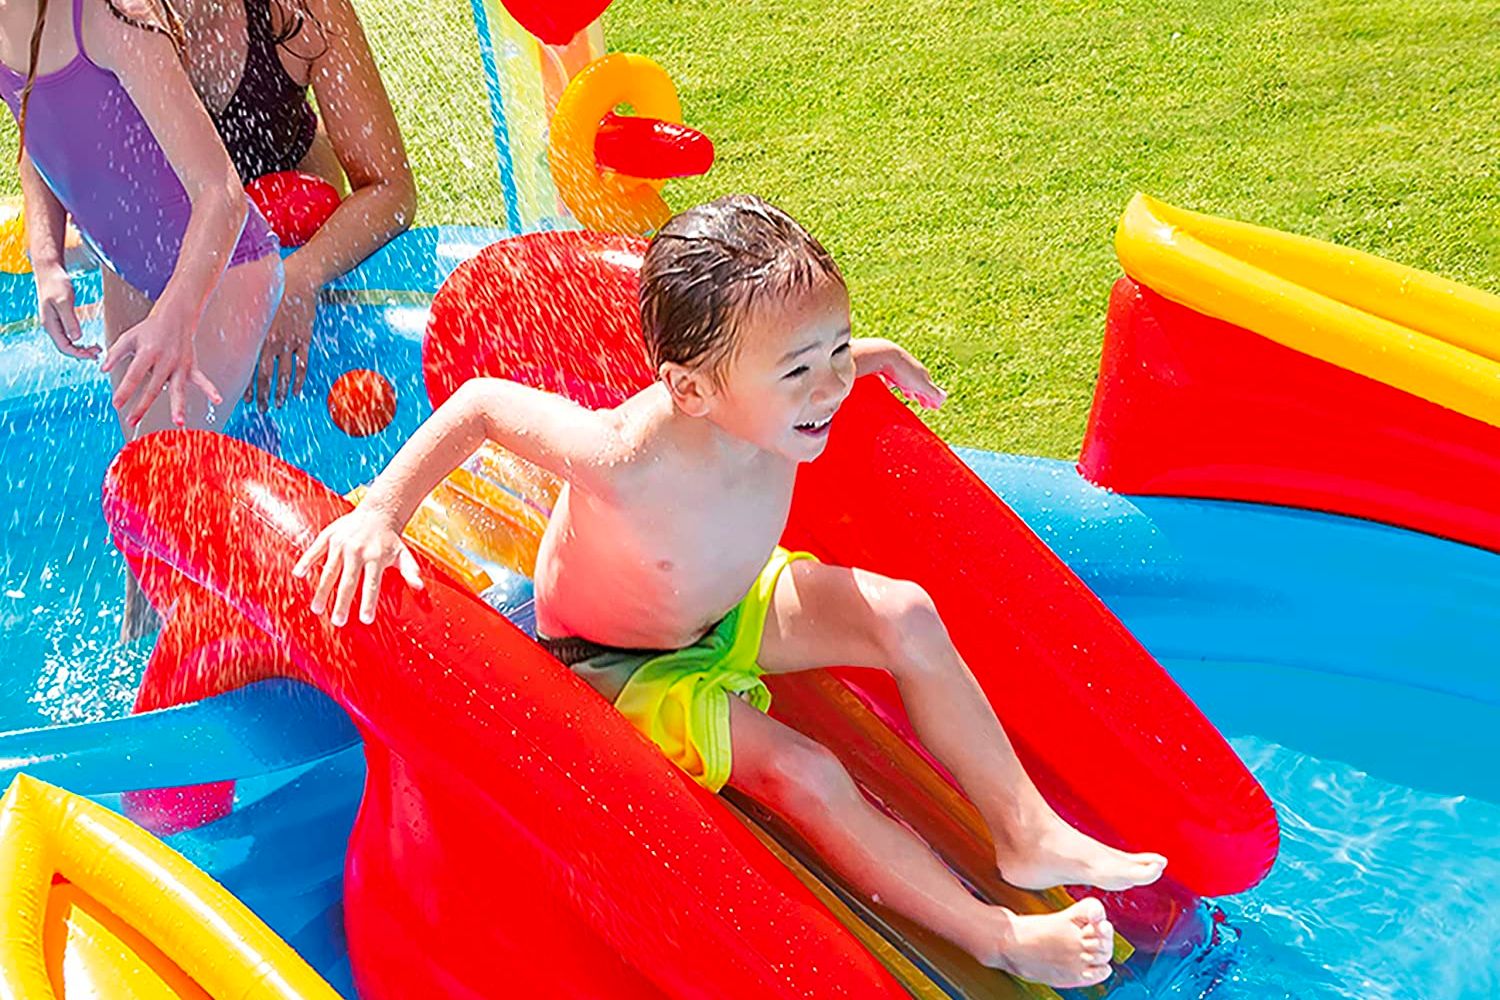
<point x="357" y="116"/>
<point x="382" y="200"/>
<point x="46" y="231"/>
<point x="161" y="346"/>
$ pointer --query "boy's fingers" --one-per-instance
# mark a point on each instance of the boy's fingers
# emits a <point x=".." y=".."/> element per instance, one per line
<point x="310" y="556"/>
<point x="327" y="580"/>
<point x="410" y="571"/>
<point x="348" y="584"/>
<point x="371" y="592"/>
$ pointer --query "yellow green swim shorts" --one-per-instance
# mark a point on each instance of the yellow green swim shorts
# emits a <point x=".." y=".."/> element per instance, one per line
<point x="680" y="698"/>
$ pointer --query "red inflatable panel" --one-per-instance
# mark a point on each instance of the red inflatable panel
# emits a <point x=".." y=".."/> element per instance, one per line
<point x="1192" y="406"/>
<point x="1110" y="737"/>
<point x="517" y="836"/>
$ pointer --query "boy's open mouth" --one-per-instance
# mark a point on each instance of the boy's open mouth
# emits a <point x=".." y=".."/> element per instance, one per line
<point x="815" y="428"/>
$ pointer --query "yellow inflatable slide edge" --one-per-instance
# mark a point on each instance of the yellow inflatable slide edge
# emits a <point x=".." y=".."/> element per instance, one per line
<point x="1409" y="329"/>
<point x="92" y="905"/>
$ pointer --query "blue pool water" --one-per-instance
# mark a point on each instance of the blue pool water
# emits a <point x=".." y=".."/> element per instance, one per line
<point x="1387" y="882"/>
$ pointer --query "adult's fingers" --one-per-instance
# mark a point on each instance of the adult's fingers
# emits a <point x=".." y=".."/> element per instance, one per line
<point x="284" y="361"/>
<point x="177" y="398"/>
<point x="302" y="355"/>
<point x="146" y="398"/>
<point x="205" y="385"/>
<point x="120" y="349"/>
<point x="55" y="322"/>
<point x="264" y="373"/>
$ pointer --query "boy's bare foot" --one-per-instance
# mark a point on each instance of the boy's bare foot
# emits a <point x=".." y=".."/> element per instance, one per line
<point x="1065" y="950"/>
<point x="1056" y="854"/>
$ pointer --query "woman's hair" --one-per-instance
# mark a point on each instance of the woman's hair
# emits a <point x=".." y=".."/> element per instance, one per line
<point x="708" y="266"/>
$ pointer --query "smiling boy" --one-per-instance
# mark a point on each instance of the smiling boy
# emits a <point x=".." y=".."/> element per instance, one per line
<point x="661" y="583"/>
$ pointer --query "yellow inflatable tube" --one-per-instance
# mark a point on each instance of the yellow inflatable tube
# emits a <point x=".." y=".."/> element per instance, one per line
<point x="1410" y="329"/>
<point x="93" y="906"/>
<point x="603" y="200"/>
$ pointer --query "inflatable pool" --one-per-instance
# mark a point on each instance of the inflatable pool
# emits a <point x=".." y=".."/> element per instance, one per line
<point x="1278" y="530"/>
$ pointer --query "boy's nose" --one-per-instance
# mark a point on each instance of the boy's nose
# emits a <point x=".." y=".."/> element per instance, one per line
<point x="832" y="388"/>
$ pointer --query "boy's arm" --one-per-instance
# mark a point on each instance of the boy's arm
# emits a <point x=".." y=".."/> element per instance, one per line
<point x="551" y="431"/>
<point x="547" y="429"/>
<point x="892" y="362"/>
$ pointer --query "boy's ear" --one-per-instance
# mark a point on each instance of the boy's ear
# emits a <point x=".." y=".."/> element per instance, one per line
<point x="691" y="389"/>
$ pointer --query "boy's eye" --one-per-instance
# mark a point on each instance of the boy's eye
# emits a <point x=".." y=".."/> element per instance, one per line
<point x="797" y="372"/>
<point x="841" y="349"/>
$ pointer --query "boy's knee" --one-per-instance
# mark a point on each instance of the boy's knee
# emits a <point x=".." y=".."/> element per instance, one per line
<point x="805" y="777"/>
<point x="910" y="623"/>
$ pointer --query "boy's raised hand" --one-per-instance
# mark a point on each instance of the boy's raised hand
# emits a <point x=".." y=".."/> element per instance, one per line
<point x="358" y="545"/>
<point x="899" y="369"/>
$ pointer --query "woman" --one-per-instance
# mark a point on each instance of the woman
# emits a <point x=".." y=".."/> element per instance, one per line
<point x="253" y="63"/>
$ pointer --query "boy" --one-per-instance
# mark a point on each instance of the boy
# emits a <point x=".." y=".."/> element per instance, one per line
<point x="659" y="579"/>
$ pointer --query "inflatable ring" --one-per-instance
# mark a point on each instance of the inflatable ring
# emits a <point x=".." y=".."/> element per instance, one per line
<point x="606" y="201"/>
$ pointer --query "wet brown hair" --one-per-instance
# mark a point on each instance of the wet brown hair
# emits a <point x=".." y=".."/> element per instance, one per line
<point x="708" y="266"/>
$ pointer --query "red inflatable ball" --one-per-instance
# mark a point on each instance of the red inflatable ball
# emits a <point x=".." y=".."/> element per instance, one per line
<point x="294" y="203"/>
<point x="555" y="21"/>
<point x="362" y="402"/>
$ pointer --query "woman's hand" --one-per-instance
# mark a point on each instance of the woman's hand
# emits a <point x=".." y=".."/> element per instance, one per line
<point x="160" y="349"/>
<point x="899" y="369"/>
<point x="286" y="346"/>
<point x="55" y="305"/>
<point x="361" y="544"/>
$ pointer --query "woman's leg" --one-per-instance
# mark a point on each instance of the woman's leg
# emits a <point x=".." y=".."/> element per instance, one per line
<point x="804" y="782"/>
<point x="227" y="343"/>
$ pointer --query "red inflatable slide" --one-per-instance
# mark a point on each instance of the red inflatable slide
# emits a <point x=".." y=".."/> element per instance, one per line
<point x="515" y="829"/>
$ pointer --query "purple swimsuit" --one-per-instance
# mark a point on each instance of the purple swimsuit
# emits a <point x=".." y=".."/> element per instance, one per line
<point x="90" y="144"/>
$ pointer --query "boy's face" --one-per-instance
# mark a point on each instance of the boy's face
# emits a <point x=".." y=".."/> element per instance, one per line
<point x="791" y="371"/>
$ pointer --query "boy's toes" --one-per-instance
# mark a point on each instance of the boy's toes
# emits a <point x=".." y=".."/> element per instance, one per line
<point x="1087" y="911"/>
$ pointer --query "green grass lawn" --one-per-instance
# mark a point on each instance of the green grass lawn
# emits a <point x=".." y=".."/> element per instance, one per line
<point x="966" y="160"/>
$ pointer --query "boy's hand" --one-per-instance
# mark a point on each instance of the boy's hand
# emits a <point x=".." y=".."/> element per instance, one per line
<point x="358" y="544"/>
<point x="162" y="358"/>
<point x="899" y="369"/>
<point x="55" y="304"/>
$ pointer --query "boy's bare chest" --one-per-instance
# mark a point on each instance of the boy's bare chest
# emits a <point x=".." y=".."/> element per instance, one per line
<point x="722" y="519"/>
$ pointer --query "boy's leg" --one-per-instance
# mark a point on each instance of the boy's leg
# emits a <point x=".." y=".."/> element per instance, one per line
<point x="803" y="782"/>
<point x="825" y="616"/>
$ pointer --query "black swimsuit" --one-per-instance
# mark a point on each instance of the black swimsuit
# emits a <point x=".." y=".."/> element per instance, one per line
<point x="268" y="125"/>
